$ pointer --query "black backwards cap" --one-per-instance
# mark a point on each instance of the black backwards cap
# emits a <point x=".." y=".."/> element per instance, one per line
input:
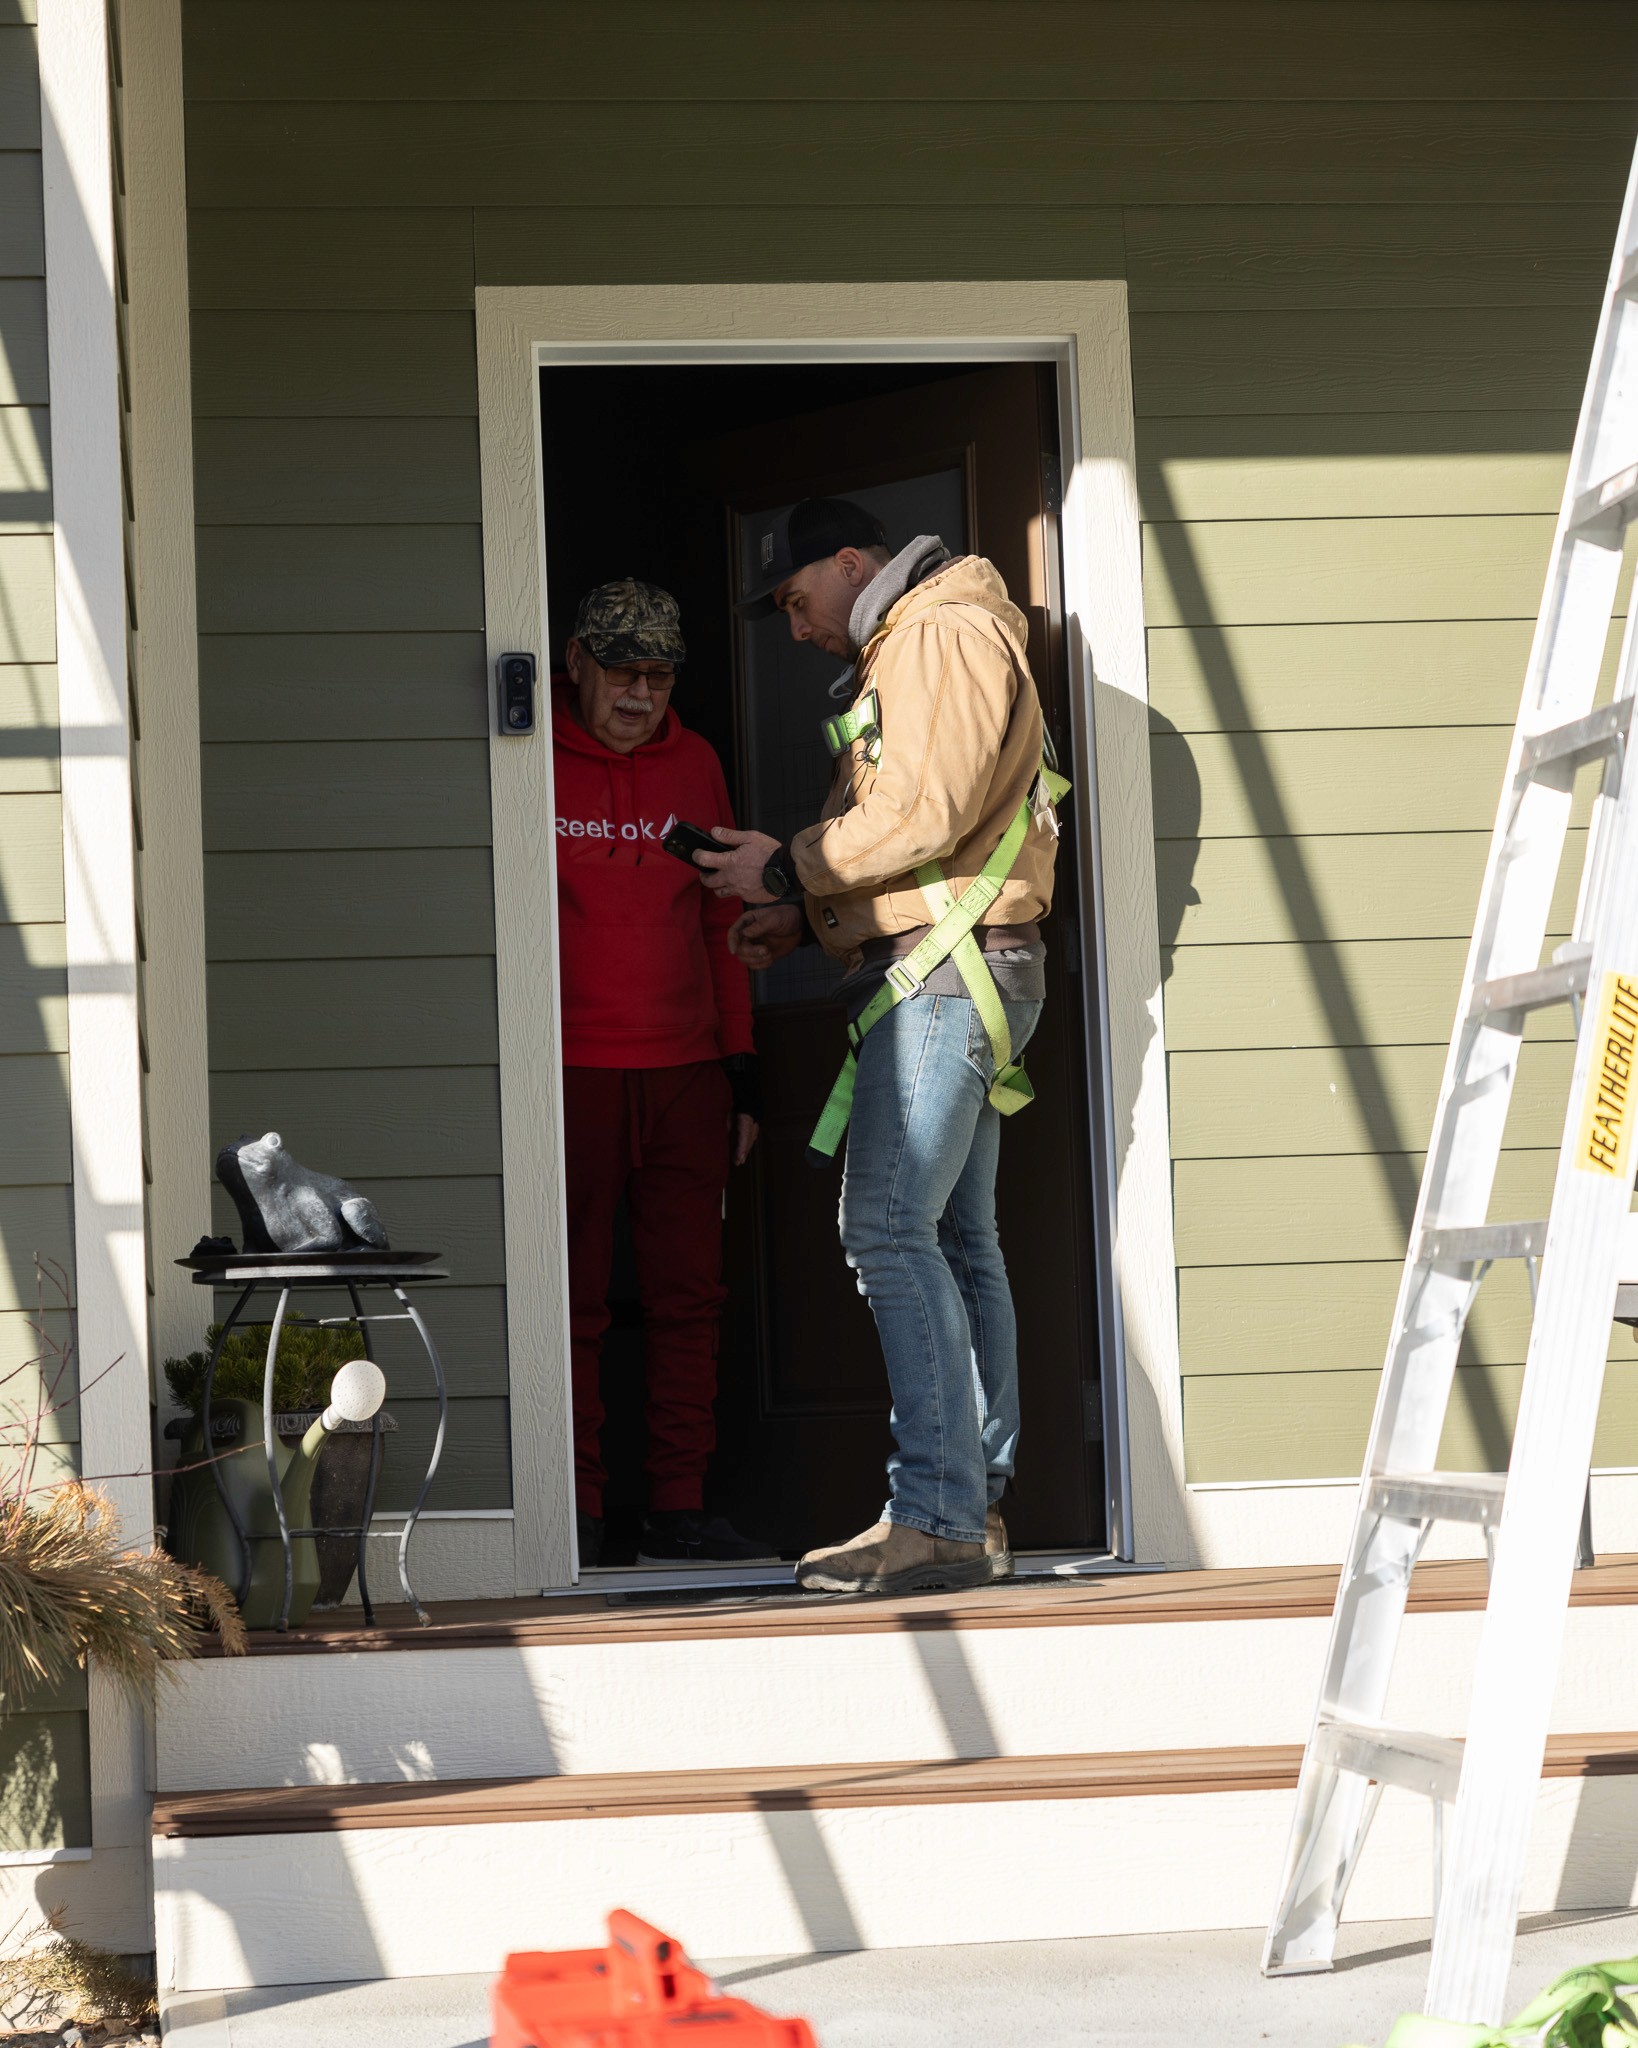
<point x="808" y="532"/>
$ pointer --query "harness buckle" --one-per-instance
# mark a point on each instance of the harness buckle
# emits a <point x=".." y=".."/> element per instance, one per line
<point x="908" y="985"/>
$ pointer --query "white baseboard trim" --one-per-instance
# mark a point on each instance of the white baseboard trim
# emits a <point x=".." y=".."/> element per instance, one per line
<point x="1274" y="1522"/>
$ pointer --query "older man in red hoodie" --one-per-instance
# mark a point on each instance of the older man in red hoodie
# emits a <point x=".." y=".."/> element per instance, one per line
<point x="659" y="1081"/>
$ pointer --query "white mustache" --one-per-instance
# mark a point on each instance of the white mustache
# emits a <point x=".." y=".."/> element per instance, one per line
<point x="639" y="704"/>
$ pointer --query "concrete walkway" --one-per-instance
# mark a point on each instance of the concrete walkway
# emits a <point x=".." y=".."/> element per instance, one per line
<point x="1148" y="1991"/>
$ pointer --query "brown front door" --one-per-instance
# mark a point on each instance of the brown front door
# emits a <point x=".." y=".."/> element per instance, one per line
<point x="973" y="458"/>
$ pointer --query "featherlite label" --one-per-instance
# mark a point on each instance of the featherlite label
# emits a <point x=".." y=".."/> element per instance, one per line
<point x="1606" y="1123"/>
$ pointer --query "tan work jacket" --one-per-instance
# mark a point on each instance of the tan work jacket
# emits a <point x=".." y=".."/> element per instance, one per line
<point x="960" y="745"/>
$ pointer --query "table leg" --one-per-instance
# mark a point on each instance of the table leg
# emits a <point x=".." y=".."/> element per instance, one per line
<point x="437" y="1449"/>
<point x="374" y="1472"/>
<point x="240" y="1531"/>
<point x="270" y="1445"/>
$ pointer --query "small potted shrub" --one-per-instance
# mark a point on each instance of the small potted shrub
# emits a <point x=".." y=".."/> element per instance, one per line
<point x="310" y="1356"/>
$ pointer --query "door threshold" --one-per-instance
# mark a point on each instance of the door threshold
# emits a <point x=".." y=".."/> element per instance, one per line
<point x="616" y="1581"/>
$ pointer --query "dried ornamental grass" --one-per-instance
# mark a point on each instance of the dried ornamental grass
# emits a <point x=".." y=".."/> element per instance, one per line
<point x="70" y="1589"/>
<point x="50" y="1978"/>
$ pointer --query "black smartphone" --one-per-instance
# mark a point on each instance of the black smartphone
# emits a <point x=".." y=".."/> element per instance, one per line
<point x="685" y="840"/>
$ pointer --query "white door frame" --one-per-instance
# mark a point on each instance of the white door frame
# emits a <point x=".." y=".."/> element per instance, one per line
<point x="1082" y="328"/>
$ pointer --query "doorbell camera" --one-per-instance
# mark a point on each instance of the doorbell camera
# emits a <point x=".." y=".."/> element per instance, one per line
<point x="515" y="679"/>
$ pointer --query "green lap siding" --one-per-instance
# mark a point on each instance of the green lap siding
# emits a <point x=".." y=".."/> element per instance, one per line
<point x="44" y="1766"/>
<point x="1364" y="248"/>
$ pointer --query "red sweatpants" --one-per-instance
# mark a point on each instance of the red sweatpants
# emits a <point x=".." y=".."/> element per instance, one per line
<point x="658" y="1135"/>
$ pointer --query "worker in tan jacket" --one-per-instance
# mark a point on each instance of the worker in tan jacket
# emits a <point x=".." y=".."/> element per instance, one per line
<point x="927" y="874"/>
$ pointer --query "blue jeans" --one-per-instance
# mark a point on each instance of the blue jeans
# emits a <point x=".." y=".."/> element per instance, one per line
<point x="918" y="1228"/>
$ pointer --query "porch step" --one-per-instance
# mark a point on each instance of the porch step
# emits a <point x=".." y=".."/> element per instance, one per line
<point x="628" y="1795"/>
<point x="514" y="1690"/>
<point x="322" y="1884"/>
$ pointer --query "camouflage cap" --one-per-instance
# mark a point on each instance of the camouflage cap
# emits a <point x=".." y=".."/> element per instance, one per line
<point x="630" y="621"/>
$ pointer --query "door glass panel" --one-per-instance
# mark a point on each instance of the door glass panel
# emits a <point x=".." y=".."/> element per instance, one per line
<point x="787" y="697"/>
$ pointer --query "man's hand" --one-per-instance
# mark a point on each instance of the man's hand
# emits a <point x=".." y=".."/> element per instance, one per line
<point x="743" y="1131"/>
<point x="757" y="938"/>
<point x="738" y="873"/>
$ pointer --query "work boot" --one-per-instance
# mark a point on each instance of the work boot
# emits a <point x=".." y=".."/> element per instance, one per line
<point x="891" y="1558"/>
<point x="996" y="1545"/>
<point x="686" y="1536"/>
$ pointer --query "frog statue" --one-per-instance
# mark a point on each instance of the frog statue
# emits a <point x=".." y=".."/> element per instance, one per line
<point x="285" y="1207"/>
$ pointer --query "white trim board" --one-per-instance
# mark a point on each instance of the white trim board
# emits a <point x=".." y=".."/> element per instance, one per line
<point x="99" y="882"/>
<point x="1083" y="327"/>
<point x="167" y="657"/>
<point x="99" y="864"/>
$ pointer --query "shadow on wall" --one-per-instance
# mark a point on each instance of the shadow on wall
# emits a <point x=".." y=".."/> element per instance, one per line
<point x="1391" y="1145"/>
<point x="954" y="1687"/>
<point x="1175" y="893"/>
<point x="1176" y="859"/>
<point x="1601" y="1858"/>
<point x="814" y="1882"/>
<point x="43" y="1769"/>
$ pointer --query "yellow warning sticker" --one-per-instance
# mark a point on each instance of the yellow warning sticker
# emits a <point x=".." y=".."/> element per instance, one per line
<point x="1606" y="1123"/>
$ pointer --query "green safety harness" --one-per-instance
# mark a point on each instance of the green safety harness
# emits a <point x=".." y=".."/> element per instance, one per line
<point x="951" y="936"/>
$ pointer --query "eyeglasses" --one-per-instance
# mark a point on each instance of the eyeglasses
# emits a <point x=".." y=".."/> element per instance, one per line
<point x="623" y="676"/>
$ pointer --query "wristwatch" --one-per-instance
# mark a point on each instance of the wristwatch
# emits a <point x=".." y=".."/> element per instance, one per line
<point x="779" y="876"/>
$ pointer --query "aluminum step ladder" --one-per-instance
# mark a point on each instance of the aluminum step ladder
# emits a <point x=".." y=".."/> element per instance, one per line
<point x="1530" y="1515"/>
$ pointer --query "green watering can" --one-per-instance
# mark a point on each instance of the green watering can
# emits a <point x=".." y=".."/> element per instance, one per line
<point x="201" y="1528"/>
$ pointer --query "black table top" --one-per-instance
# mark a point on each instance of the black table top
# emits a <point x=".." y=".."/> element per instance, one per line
<point x="366" y="1267"/>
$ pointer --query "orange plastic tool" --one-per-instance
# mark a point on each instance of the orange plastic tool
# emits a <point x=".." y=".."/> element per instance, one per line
<point x="639" y="1992"/>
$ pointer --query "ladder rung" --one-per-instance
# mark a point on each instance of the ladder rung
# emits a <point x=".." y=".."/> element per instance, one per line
<point x="1429" y="1764"/>
<point x="1532" y="991"/>
<point x="1477" y="1244"/>
<point x="1440" y="1496"/>
<point x="1603" y="512"/>
<point x="1581" y="740"/>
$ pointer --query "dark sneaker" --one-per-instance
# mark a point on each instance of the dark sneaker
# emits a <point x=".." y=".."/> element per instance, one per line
<point x="892" y="1558"/>
<point x="685" y="1536"/>
<point x="589" y="1530"/>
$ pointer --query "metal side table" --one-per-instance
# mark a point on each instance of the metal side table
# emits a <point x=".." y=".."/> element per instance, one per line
<point x="293" y="1273"/>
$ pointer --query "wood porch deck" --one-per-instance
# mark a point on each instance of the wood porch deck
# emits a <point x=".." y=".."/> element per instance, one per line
<point x="1281" y="1592"/>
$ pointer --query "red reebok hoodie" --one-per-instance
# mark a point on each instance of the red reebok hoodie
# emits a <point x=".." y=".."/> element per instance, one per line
<point x="648" y="980"/>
